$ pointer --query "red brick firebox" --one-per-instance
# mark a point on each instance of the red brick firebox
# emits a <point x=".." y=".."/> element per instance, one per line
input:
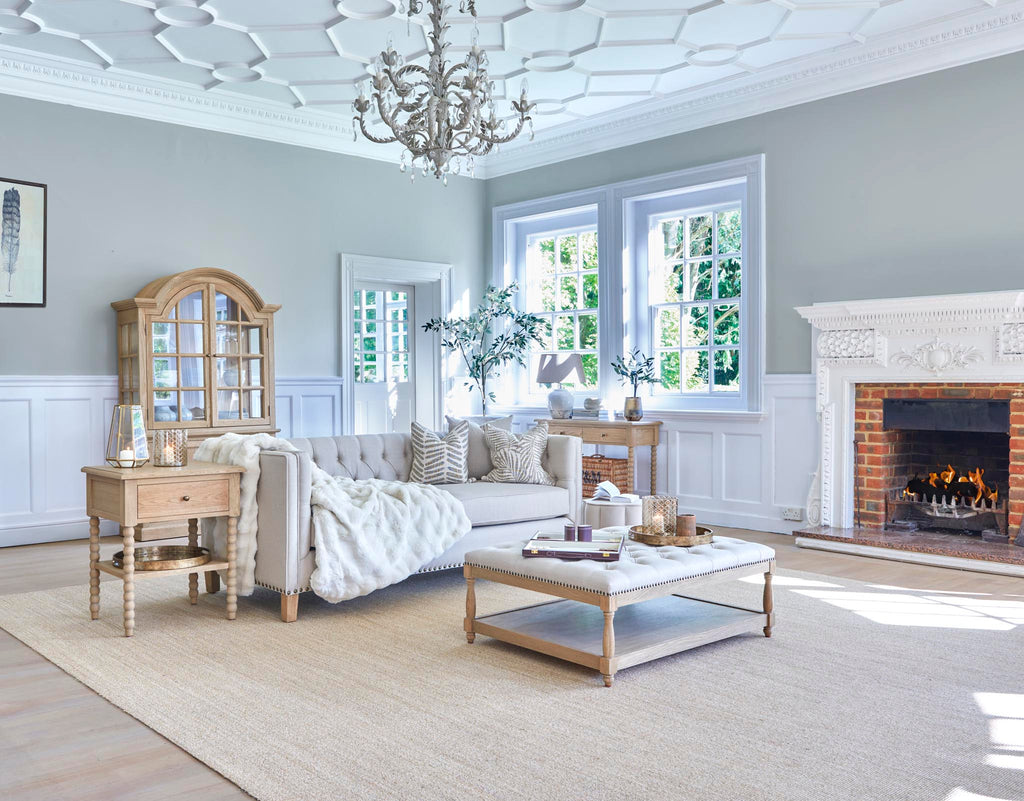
<point x="881" y="463"/>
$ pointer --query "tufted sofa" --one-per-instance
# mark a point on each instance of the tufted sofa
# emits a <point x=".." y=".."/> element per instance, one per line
<point x="285" y="556"/>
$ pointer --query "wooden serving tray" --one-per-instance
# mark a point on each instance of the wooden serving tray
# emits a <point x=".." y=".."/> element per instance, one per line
<point x="703" y="537"/>
<point x="165" y="557"/>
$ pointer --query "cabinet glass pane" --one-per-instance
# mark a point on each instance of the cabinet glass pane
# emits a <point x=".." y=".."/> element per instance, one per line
<point x="165" y="372"/>
<point x="191" y="372"/>
<point x="251" y="339"/>
<point x="227" y="404"/>
<point x="227" y="372"/>
<point x="251" y="374"/>
<point x="191" y="307"/>
<point x="227" y="338"/>
<point x="165" y="406"/>
<point x="253" y="406"/>
<point x="195" y="404"/>
<point x="164" y="338"/>
<point x="225" y="306"/>
<point x="190" y="338"/>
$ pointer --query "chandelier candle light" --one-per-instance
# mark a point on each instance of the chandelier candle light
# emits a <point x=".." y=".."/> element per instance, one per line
<point x="443" y="115"/>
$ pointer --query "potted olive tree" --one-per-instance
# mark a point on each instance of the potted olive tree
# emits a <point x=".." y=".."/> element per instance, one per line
<point x="634" y="369"/>
<point x="495" y="334"/>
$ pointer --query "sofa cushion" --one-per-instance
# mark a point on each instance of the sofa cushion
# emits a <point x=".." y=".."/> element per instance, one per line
<point x="439" y="460"/>
<point x="518" y="459"/>
<point x="490" y="504"/>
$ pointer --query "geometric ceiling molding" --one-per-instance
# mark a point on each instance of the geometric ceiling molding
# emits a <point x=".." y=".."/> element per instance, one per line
<point x="605" y="73"/>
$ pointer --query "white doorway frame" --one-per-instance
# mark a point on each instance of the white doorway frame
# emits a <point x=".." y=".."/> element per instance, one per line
<point x="433" y="283"/>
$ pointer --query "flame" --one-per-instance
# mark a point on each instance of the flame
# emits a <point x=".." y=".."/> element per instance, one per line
<point x="948" y="474"/>
<point x="951" y="486"/>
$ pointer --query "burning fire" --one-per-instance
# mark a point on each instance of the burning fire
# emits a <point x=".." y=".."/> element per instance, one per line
<point x="946" y="486"/>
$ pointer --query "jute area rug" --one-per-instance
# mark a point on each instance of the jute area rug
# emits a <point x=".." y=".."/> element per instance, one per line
<point x="864" y="692"/>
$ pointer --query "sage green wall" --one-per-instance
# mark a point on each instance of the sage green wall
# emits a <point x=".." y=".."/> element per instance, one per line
<point x="912" y="188"/>
<point x="131" y="200"/>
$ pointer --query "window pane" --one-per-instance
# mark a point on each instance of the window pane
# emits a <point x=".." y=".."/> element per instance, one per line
<point x="590" y="369"/>
<point x="695" y="371"/>
<point x="540" y="259"/>
<point x="190" y="338"/>
<point x="588" y="332"/>
<point x="565" y="334"/>
<point x="668" y="328"/>
<point x="227" y="405"/>
<point x="192" y="372"/>
<point x="545" y="329"/>
<point x="163" y="338"/>
<point x="729" y="278"/>
<point x="370" y="343"/>
<point x="545" y="295"/>
<point x="251" y="339"/>
<point x="727" y="324"/>
<point x="227" y="338"/>
<point x="690" y="281"/>
<point x="226" y="307"/>
<point x="165" y="372"/>
<point x="371" y="298"/>
<point x="590" y="294"/>
<point x="191" y="307"/>
<point x="695" y="331"/>
<point x="588" y="250"/>
<point x="727" y="370"/>
<point x="567" y="296"/>
<point x="194" y="403"/>
<point x="730" y="238"/>
<point x="253" y="403"/>
<point x="371" y="312"/>
<point x="369" y="373"/>
<point x="668" y="370"/>
<point x="227" y="372"/>
<point x="700" y="235"/>
<point x="251" y="372"/>
<point x="567" y="256"/>
<point x="673" y="234"/>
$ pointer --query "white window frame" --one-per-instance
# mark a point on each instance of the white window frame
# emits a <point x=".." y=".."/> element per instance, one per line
<point x="623" y="211"/>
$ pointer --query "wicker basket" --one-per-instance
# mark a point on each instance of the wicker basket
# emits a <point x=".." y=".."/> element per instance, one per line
<point x="603" y="468"/>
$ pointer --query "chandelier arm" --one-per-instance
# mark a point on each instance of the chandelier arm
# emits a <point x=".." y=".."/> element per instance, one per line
<point x="501" y="140"/>
<point x="376" y="139"/>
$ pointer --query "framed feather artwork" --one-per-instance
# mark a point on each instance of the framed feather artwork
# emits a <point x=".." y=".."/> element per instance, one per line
<point x="22" y="243"/>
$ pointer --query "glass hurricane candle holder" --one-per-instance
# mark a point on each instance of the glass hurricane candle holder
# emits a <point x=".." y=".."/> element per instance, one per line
<point x="169" y="447"/>
<point x="127" y="444"/>
<point x="659" y="514"/>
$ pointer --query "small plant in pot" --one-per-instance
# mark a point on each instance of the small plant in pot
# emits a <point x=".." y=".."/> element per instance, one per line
<point x="634" y="369"/>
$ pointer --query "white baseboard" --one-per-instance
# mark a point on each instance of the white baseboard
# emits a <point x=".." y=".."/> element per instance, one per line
<point x="895" y="555"/>
<point x="50" y="426"/>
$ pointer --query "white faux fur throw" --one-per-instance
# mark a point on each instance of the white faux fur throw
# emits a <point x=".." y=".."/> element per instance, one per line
<point x="368" y="534"/>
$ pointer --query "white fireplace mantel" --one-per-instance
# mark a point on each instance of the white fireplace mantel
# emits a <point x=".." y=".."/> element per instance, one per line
<point x="976" y="337"/>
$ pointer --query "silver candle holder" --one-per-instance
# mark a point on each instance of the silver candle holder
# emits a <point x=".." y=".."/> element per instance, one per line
<point x="170" y="447"/>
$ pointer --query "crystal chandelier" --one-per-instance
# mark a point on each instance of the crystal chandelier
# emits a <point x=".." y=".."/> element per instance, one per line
<point x="443" y="115"/>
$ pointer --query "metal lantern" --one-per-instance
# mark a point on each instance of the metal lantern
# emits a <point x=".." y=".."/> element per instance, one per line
<point x="659" y="514"/>
<point x="169" y="447"/>
<point x="127" y="445"/>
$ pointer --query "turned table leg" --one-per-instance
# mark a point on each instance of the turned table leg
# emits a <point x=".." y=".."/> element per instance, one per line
<point x="470" y="608"/>
<point x="654" y="469"/>
<point x="212" y="582"/>
<point x="769" y="603"/>
<point x="193" y="578"/>
<point x="608" y="648"/>
<point x="128" y="538"/>
<point x="632" y="469"/>
<point x="94" y="571"/>
<point x="232" y="588"/>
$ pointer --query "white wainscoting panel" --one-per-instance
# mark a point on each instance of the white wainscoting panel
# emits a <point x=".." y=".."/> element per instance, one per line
<point x="50" y="426"/>
<point x="732" y="469"/>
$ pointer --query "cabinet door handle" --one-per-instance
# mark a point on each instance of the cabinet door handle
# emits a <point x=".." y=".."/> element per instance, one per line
<point x="185" y="498"/>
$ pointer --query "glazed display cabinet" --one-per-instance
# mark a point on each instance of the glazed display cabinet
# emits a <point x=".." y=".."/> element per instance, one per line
<point x="196" y="350"/>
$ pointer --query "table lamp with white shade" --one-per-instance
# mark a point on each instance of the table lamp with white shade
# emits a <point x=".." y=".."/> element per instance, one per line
<point x="554" y="369"/>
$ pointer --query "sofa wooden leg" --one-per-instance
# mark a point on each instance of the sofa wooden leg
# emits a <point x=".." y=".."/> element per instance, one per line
<point x="289" y="607"/>
<point x="212" y="581"/>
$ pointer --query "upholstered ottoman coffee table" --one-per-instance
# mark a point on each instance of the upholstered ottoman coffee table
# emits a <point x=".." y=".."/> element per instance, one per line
<point x="600" y="622"/>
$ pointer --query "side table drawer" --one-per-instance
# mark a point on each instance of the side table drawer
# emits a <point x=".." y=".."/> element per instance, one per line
<point x="184" y="498"/>
<point x="609" y="436"/>
<point x="565" y="431"/>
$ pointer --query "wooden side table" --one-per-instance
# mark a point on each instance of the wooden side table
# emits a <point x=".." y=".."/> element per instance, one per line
<point x="148" y="494"/>
<point x="614" y="432"/>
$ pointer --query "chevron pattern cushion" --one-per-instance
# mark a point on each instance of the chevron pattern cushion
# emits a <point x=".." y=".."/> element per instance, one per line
<point x="440" y="461"/>
<point x="517" y="458"/>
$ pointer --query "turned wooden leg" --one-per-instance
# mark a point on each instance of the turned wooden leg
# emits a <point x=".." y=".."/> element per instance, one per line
<point x="94" y="571"/>
<point x="128" y="538"/>
<point x="212" y="582"/>
<point x="608" y="647"/>
<point x="470" y="609"/>
<point x="632" y="469"/>
<point x="193" y="578"/>
<point x="769" y="603"/>
<point x="654" y="469"/>
<point x="289" y="607"/>
<point x="232" y="588"/>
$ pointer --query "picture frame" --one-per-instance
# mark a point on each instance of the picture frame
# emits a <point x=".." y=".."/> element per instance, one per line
<point x="22" y="243"/>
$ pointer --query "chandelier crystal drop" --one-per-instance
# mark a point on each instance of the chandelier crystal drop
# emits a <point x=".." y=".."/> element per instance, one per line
<point x="443" y="115"/>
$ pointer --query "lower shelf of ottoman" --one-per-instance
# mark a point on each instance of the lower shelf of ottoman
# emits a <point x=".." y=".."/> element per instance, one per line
<point x="573" y="631"/>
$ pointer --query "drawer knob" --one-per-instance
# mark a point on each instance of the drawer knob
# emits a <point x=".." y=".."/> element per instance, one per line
<point x="185" y="498"/>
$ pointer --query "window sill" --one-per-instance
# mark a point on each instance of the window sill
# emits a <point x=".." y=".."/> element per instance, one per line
<point x="664" y="415"/>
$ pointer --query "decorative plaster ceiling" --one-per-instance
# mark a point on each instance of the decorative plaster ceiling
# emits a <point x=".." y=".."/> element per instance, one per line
<point x="602" y="72"/>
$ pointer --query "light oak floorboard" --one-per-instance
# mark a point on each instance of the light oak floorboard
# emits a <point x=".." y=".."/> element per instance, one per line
<point x="58" y="739"/>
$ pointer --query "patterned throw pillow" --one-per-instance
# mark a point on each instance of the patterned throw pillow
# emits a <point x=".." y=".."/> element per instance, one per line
<point x="517" y="459"/>
<point x="440" y="461"/>
<point x="479" y="459"/>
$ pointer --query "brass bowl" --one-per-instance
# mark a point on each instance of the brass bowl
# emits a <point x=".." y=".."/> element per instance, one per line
<point x="165" y="557"/>
<point x="703" y="537"/>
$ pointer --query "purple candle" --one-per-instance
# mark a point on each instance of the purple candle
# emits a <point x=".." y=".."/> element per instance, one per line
<point x="585" y="533"/>
<point x="570" y="532"/>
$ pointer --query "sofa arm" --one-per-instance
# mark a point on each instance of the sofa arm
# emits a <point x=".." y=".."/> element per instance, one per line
<point x="284" y="537"/>
<point x="563" y="460"/>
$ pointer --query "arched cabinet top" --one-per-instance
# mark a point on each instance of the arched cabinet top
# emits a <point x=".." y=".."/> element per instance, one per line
<point x="157" y="293"/>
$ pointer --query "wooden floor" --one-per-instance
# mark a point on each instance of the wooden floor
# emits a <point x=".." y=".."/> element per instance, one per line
<point x="59" y="740"/>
